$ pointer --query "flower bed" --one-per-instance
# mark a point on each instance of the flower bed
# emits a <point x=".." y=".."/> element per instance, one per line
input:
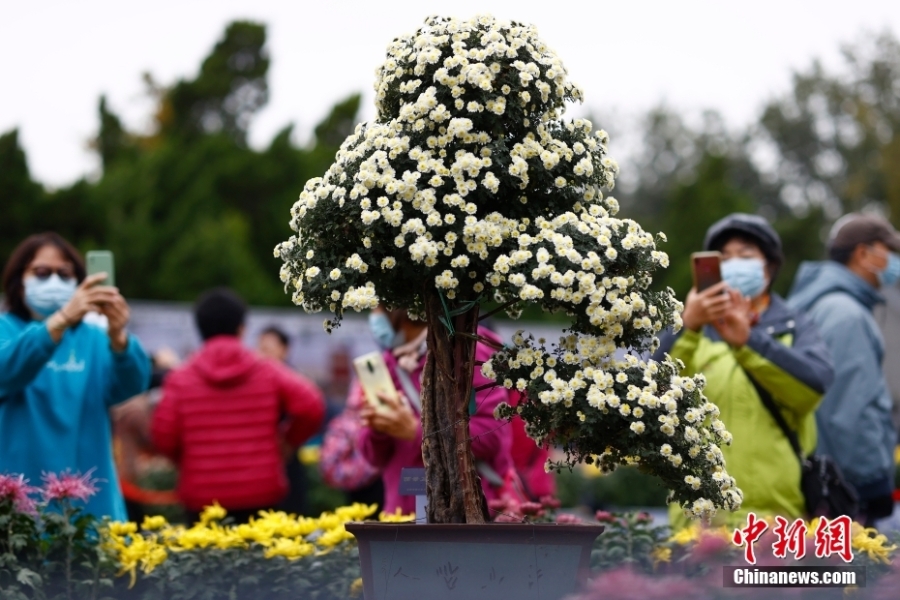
<point x="274" y="556"/>
<point x="634" y="559"/>
<point x="49" y="549"/>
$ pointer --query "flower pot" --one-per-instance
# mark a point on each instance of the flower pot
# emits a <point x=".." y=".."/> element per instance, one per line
<point x="494" y="561"/>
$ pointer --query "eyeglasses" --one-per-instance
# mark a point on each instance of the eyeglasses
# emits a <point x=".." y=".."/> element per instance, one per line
<point x="44" y="273"/>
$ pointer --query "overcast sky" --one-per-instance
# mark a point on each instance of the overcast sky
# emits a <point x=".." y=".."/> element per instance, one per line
<point x="59" y="56"/>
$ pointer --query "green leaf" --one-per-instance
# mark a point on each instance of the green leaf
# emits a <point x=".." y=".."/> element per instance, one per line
<point x="29" y="578"/>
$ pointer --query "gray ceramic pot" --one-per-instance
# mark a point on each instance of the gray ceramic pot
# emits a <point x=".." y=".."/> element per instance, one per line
<point x="494" y="561"/>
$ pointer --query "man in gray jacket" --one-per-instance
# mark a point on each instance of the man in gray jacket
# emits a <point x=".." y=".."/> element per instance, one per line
<point x="854" y="418"/>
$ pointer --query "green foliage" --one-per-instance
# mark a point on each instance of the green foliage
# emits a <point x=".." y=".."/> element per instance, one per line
<point x="214" y="574"/>
<point x="629" y="540"/>
<point x="320" y="496"/>
<point x="836" y="135"/>
<point x="230" y="88"/>
<point x="20" y="194"/>
<point x="833" y="136"/>
<point x="691" y="209"/>
<point x="625" y="487"/>
<point x="189" y="206"/>
<point x="51" y="554"/>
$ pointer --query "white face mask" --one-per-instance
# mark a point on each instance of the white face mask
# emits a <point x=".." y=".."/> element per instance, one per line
<point x="746" y="275"/>
<point x="46" y="296"/>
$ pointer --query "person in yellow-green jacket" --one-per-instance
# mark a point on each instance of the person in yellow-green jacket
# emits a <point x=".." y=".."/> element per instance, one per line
<point x="740" y="329"/>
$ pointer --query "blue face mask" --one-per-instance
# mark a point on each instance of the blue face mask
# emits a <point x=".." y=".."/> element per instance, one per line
<point x="46" y="296"/>
<point x="746" y="275"/>
<point x="382" y="331"/>
<point x="891" y="273"/>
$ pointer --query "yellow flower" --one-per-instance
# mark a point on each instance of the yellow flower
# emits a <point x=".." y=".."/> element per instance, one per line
<point x="253" y="533"/>
<point x="811" y="527"/>
<point x="309" y="455"/>
<point x="141" y="552"/>
<point x="685" y="536"/>
<point x="122" y="528"/>
<point x="396" y="517"/>
<point x="154" y="557"/>
<point x="333" y="537"/>
<point x="661" y="554"/>
<point x="356" y="587"/>
<point x="695" y="531"/>
<point x="868" y="540"/>
<point x="329" y="521"/>
<point x="153" y="523"/>
<point x="213" y="536"/>
<point x="213" y="513"/>
<point x="356" y="511"/>
<point x="290" y="549"/>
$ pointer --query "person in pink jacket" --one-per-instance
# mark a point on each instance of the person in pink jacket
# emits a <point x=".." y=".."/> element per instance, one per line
<point x="392" y="440"/>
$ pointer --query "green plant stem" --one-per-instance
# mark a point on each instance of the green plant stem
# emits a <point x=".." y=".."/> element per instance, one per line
<point x="499" y="308"/>
<point x="629" y="539"/>
<point x="67" y="512"/>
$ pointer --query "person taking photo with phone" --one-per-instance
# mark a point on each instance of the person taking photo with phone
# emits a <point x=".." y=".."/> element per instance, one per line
<point x="60" y="375"/>
<point x="391" y="436"/>
<point x="748" y="343"/>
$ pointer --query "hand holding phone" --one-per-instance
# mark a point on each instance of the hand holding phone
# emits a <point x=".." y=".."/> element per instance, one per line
<point x="101" y="261"/>
<point x="706" y="269"/>
<point x="375" y="379"/>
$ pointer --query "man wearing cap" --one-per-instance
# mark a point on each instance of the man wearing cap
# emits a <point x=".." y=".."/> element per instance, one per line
<point x="740" y="335"/>
<point x="854" y="419"/>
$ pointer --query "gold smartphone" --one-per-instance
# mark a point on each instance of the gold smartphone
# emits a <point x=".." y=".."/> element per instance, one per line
<point x="375" y="378"/>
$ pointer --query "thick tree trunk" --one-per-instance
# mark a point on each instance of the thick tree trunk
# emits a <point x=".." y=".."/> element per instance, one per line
<point x="454" y="491"/>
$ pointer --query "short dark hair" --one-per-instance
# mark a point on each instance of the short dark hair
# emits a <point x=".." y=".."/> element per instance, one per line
<point x="841" y="255"/>
<point x="277" y="332"/>
<point x="219" y="311"/>
<point x="21" y="257"/>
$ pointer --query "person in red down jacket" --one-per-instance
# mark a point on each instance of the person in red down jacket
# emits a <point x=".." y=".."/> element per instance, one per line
<point x="228" y="415"/>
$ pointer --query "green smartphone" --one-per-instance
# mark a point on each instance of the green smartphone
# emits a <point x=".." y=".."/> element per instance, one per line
<point x="101" y="261"/>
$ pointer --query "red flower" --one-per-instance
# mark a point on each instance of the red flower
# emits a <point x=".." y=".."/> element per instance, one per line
<point x="567" y="519"/>
<point x="627" y="584"/>
<point x="508" y="518"/>
<point x="605" y="517"/>
<point x="550" y="502"/>
<point x="16" y="489"/>
<point x="68" y="486"/>
<point x="531" y="509"/>
<point x="710" y="546"/>
<point x="500" y="505"/>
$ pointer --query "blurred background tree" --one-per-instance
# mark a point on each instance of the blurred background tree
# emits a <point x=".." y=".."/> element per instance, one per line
<point x="190" y="205"/>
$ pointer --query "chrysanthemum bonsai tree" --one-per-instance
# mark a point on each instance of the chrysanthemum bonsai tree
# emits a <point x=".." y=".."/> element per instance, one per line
<point x="469" y="188"/>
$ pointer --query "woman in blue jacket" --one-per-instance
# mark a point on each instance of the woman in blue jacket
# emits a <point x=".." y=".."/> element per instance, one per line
<point x="58" y="374"/>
